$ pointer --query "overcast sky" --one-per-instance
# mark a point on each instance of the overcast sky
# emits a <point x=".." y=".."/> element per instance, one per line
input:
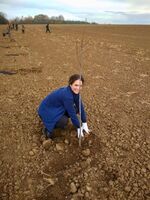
<point x="100" y="11"/>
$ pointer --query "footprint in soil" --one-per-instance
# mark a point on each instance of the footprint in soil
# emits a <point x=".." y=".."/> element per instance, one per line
<point x="7" y="72"/>
<point x="21" y="71"/>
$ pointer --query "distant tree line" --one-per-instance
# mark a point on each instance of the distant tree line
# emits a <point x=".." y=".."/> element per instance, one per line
<point x="39" y="19"/>
<point x="3" y="19"/>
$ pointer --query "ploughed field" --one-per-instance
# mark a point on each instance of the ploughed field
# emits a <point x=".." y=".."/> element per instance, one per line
<point x="113" y="162"/>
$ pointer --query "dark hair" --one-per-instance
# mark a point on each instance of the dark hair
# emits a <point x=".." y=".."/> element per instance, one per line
<point x="74" y="78"/>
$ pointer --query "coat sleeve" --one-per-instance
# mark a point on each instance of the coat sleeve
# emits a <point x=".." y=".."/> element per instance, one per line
<point x="69" y="107"/>
<point x="83" y="114"/>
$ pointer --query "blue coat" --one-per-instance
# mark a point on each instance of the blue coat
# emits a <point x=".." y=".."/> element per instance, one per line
<point x="57" y="103"/>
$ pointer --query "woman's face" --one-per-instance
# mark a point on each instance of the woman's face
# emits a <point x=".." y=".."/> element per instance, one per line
<point x="76" y="86"/>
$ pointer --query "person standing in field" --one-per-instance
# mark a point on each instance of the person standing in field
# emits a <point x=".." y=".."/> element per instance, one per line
<point x="23" y="28"/>
<point x="62" y="104"/>
<point x="7" y="31"/>
<point x="48" y="28"/>
<point x="16" y="26"/>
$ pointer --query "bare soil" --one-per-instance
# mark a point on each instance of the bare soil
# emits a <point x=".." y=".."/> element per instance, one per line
<point x="113" y="162"/>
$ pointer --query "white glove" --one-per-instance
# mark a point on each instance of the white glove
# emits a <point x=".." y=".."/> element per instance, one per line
<point x="78" y="132"/>
<point x="85" y="127"/>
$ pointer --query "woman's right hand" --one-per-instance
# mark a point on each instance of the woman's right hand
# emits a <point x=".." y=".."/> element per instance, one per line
<point x="80" y="132"/>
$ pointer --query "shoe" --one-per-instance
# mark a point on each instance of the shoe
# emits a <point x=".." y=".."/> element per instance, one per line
<point x="47" y="133"/>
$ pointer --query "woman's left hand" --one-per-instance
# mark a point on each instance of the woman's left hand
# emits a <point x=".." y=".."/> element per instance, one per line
<point x="85" y="127"/>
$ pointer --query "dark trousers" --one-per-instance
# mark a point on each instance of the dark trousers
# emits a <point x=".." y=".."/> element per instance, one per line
<point x="48" y="30"/>
<point x="62" y="123"/>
